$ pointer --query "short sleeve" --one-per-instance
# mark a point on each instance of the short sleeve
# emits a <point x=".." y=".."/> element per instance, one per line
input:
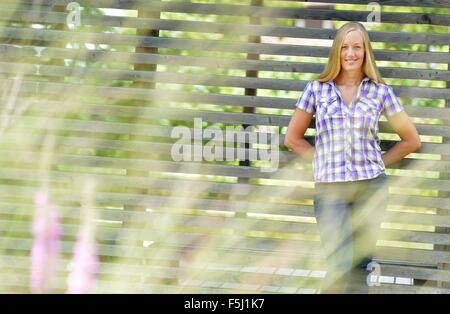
<point x="307" y="100"/>
<point x="391" y="103"/>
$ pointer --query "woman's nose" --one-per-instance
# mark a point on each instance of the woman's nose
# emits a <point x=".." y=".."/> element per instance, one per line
<point x="350" y="52"/>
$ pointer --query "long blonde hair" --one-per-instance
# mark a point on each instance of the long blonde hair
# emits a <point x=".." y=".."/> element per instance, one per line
<point x="333" y="66"/>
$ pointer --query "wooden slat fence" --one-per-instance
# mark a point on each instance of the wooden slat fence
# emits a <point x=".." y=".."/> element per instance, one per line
<point x="97" y="104"/>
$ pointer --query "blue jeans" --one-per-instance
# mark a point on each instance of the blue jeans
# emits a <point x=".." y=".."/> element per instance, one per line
<point x="348" y="217"/>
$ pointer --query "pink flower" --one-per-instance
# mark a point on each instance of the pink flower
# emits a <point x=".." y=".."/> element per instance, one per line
<point x="45" y="249"/>
<point x="85" y="263"/>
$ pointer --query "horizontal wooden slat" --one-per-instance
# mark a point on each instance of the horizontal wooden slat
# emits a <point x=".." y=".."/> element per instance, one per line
<point x="277" y="159"/>
<point x="383" y="255"/>
<point x="163" y="256"/>
<point x="297" y="13"/>
<point x="46" y="17"/>
<point x="18" y="284"/>
<point x="154" y="278"/>
<point x="173" y="222"/>
<point x="130" y="4"/>
<point x="19" y="208"/>
<point x="48" y="106"/>
<point x="53" y="123"/>
<point x="147" y="274"/>
<point x="37" y="122"/>
<point x="394" y="181"/>
<point x="303" y="248"/>
<point x="163" y="166"/>
<point x="419" y="273"/>
<point x="406" y="3"/>
<point x="416" y="236"/>
<point x="206" y="168"/>
<point x="163" y="150"/>
<point x="138" y="199"/>
<point x="149" y="201"/>
<point x="152" y="220"/>
<point x="386" y="270"/>
<point x="417" y="219"/>
<point x="154" y="231"/>
<point x="411" y="257"/>
<point x="108" y="271"/>
<point x="415" y="272"/>
<point x="266" y="11"/>
<point x="398" y="217"/>
<point x="129" y="269"/>
<point x="82" y="54"/>
<point x="77" y="91"/>
<point x="403" y="289"/>
<point x="149" y="76"/>
<point x="208" y="45"/>
<point x="90" y="141"/>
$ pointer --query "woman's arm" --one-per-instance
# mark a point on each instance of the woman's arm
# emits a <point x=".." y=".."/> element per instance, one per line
<point x="294" y="138"/>
<point x="410" y="140"/>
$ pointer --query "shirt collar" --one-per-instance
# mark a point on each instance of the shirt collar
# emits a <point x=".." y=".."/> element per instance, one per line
<point x="366" y="78"/>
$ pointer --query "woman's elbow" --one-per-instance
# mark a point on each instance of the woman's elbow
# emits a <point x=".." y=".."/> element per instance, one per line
<point x="287" y="142"/>
<point x="419" y="144"/>
<point x="416" y="144"/>
<point x="290" y="141"/>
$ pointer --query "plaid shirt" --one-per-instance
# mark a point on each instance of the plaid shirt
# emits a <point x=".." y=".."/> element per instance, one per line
<point x="346" y="142"/>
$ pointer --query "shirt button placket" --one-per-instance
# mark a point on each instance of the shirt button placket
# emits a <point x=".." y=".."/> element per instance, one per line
<point x="348" y="145"/>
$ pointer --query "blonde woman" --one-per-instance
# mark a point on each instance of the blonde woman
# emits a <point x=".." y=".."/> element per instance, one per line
<point x="351" y="187"/>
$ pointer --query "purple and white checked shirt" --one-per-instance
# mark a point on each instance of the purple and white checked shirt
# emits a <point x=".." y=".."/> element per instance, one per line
<point x="346" y="142"/>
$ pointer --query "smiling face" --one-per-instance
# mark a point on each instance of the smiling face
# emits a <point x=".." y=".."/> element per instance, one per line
<point x="352" y="52"/>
